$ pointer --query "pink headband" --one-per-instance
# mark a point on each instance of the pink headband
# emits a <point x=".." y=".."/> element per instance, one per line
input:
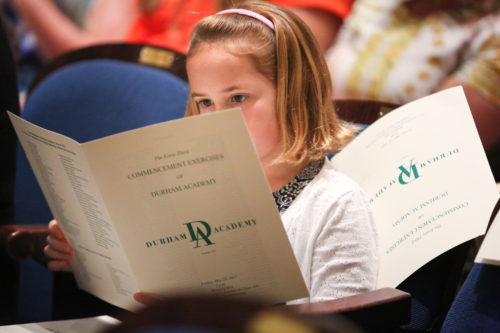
<point x="246" y="12"/>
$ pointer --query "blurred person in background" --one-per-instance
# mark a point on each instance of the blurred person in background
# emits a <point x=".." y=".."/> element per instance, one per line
<point x="401" y="50"/>
<point x="48" y="28"/>
<point x="61" y="25"/>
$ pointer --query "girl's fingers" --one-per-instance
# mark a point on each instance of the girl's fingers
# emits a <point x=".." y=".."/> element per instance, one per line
<point x="146" y="298"/>
<point x="59" y="265"/>
<point x="59" y="245"/>
<point x="55" y="230"/>
<point x="53" y="254"/>
<point x="58" y="249"/>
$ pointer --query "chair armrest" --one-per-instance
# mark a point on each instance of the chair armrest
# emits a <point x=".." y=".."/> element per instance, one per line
<point x="381" y="308"/>
<point x="24" y="241"/>
<point x="369" y="299"/>
<point x="362" y="111"/>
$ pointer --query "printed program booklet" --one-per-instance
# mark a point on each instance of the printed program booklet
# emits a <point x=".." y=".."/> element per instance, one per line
<point x="184" y="205"/>
<point x="427" y="178"/>
<point x="177" y="207"/>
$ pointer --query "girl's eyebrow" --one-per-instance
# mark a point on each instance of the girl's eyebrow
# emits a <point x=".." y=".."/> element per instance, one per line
<point x="229" y="89"/>
<point x="196" y="95"/>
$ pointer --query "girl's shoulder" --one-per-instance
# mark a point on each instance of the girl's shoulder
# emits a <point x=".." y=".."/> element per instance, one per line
<point x="329" y="191"/>
<point x="329" y="199"/>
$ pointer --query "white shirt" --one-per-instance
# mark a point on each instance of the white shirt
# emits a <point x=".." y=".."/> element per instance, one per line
<point x="332" y="232"/>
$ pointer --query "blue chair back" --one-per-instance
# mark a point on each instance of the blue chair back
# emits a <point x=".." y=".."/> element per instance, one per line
<point x="433" y="287"/>
<point x="476" y="307"/>
<point x="85" y="101"/>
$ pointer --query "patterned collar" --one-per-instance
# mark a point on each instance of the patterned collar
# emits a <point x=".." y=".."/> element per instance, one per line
<point x="285" y="195"/>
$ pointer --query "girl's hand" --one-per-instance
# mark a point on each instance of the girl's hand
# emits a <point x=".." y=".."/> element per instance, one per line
<point x="146" y="298"/>
<point x="58" y="249"/>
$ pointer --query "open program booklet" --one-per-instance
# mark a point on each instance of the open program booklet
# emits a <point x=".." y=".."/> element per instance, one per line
<point x="426" y="176"/>
<point x="181" y="206"/>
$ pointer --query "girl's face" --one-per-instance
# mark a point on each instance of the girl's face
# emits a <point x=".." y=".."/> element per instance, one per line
<point x="220" y="80"/>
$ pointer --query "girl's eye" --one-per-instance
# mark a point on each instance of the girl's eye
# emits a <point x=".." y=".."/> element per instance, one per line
<point x="205" y="103"/>
<point x="238" y="98"/>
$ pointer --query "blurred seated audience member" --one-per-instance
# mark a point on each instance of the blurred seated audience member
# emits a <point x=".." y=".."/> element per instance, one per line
<point x="24" y="45"/>
<point x="27" y="58"/>
<point x="75" y="10"/>
<point x="160" y="22"/>
<point x="401" y="50"/>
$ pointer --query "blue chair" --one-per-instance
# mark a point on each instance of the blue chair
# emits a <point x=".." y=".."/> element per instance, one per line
<point x="476" y="307"/>
<point x="433" y="287"/>
<point x="84" y="100"/>
<point x="147" y="55"/>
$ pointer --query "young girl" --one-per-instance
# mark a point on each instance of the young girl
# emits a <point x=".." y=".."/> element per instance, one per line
<point x="264" y="59"/>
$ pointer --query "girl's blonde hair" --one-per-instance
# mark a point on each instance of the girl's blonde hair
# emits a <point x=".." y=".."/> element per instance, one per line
<point x="290" y="56"/>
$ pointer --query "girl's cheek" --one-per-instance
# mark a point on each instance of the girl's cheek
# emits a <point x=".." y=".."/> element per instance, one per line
<point x="204" y="110"/>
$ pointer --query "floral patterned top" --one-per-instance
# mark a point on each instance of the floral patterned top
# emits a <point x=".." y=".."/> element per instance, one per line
<point x="387" y="52"/>
<point x="285" y="195"/>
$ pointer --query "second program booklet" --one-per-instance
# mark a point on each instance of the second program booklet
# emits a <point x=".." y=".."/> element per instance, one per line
<point x="427" y="178"/>
<point x="180" y="206"/>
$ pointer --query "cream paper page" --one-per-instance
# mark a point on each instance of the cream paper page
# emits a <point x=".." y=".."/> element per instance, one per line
<point x="82" y="325"/>
<point x="427" y="178"/>
<point x="489" y="252"/>
<point x="59" y="164"/>
<point x="193" y="209"/>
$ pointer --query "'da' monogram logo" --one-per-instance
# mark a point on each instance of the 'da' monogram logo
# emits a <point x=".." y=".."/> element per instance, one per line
<point x="199" y="231"/>
<point x="405" y="176"/>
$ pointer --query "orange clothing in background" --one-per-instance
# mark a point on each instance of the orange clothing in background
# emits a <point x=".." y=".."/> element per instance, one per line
<point x="337" y="7"/>
<point x="171" y="23"/>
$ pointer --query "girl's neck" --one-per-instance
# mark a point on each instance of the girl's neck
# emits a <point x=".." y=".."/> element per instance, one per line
<point x="280" y="174"/>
